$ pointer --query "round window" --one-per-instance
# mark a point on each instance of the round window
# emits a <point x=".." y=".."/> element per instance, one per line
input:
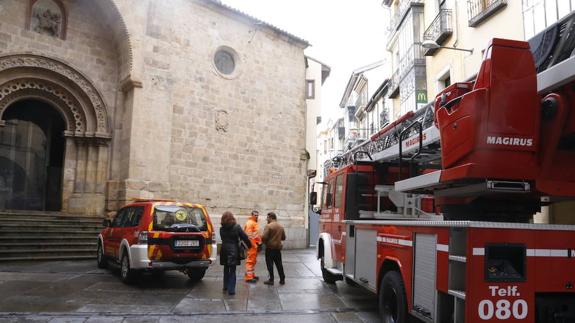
<point x="225" y="62"/>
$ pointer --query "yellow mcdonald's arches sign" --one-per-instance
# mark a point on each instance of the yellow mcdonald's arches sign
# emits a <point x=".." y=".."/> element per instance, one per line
<point x="421" y="96"/>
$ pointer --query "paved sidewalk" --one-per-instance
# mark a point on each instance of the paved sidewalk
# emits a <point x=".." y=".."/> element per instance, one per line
<point x="77" y="291"/>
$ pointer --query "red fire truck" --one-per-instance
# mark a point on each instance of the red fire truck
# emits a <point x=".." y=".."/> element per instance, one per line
<point x="433" y="212"/>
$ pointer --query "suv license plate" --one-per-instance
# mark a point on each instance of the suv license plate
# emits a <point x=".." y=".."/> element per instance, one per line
<point x="187" y="243"/>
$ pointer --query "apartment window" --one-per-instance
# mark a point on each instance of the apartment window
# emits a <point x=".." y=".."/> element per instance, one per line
<point x="540" y="14"/>
<point x="443" y="80"/>
<point x="479" y="10"/>
<point x="310" y="89"/>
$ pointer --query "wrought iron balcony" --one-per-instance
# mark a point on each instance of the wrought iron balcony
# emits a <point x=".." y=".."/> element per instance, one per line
<point x="439" y="30"/>
<point x="479" y="10"/>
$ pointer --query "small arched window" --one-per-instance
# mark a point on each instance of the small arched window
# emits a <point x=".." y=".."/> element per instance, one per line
<point x="47" y="17"/>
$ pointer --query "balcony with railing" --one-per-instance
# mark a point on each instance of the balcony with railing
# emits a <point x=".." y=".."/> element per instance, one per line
<point x="479" y="10"/>
<point x="439" y="30"/>
<point x="412" y="57"/>
<point x="361" y="101"/>
<point x="399" y="15"/>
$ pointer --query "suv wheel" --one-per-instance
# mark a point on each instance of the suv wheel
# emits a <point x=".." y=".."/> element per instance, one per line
<point x="100" y="257"/>
<point x="126" y="273"/>
<point x="196" y="274"/>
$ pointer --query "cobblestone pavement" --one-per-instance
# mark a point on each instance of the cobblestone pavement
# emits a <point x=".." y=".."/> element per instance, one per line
<point x="77" y="291"/>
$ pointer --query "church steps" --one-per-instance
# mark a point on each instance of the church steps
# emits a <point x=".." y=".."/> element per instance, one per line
<point x="38" y="239"/>
<point x="5" y="220"/>
<point x="36" y="236"/>
<point x="50" y="227"/>
<point x="10" y="246"/>
<point x="48" y="258"/>
<point x="48" y="216"/>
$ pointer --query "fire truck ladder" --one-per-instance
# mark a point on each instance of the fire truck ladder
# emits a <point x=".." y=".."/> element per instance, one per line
<point x="415" y="130"/>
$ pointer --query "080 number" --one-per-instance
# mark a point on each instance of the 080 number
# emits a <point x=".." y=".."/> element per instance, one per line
<point x="503" y="309"/>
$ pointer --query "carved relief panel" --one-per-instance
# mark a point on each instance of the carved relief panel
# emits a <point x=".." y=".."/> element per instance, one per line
<point x="47" y="17"/>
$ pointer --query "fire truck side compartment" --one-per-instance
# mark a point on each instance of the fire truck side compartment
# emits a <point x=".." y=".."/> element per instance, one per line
<point x="425" y="270"/>
<point x="366" y="260"/>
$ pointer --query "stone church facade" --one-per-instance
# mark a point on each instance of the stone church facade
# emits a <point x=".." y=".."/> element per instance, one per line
<point x="103" y="101"/>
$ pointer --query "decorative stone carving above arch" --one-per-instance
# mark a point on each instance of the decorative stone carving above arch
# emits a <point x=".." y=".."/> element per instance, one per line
<point x="48" y="17"/>
<point x="81" y="103"/>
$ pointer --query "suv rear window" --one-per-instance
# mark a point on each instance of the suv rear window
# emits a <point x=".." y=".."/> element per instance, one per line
<point x="179" y="218"/>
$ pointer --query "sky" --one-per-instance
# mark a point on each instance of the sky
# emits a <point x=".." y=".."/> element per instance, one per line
<point x="344" y="34"/>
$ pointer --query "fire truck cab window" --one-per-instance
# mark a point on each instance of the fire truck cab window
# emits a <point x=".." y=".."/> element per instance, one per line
<point x="505" y="263"/>
<point x="327" y="196"/>
<point x="360" y="195"/>
<point x="338" y="191"/>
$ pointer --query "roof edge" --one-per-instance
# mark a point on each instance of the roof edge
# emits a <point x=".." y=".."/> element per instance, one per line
<point x="218" y="3"/>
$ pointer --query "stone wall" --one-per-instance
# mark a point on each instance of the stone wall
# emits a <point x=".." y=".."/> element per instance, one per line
<point x="88" y="46"/>
<point x="232" y="143"/>
<point x="179" y="129"/>
<point x="83" y="56"/>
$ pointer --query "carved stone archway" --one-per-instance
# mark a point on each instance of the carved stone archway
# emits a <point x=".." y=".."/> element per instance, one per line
<point x="87" y="131"/>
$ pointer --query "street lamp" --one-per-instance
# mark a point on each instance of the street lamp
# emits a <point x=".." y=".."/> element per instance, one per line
<point x="430" y="44"/>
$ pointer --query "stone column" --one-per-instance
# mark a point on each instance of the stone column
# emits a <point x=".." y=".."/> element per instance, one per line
<point x="85" y="175"/>
<point x="69" y="172"/>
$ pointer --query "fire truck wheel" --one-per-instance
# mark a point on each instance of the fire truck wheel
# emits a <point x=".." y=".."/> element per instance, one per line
<point x="327" y="276"/>
<point x="196" y="274"/>
<point x="100" y="257"/>
<point x="392" y="300"/>
<point x="127" y="274"/>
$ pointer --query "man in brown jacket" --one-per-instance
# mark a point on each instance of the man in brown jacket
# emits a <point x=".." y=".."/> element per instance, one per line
<point x="273" y="236"/>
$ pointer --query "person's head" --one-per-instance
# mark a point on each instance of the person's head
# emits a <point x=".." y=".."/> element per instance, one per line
<point x="228" y="218"/>
<point x="255" y="214"/>
<point x="272" y="217"/>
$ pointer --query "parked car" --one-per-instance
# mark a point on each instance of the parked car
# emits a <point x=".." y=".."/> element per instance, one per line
<point x="158" y="235"/>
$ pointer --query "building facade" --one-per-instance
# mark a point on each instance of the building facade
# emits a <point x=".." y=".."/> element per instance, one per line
<point x="105" y="101"/>
<point x="360" y="121"/>
<point x="316" y="74"/>
<point x="465" y="25"/>
<point x="408" y="81"/>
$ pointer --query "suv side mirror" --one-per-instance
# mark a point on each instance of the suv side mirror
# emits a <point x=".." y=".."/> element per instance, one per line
<point x="107" y="223"/>
<point x="313" y="198"/>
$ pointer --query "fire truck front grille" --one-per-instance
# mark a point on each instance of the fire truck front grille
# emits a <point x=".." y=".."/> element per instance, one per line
<point x="555" y="307"/>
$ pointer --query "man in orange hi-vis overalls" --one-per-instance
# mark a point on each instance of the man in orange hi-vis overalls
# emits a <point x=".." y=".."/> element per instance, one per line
<point x="252" y="229"/>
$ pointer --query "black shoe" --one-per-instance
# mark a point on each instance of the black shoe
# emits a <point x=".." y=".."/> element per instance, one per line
<point x="253" y="280"/>
<point x="232" y="293"/>
<point x="256" y="277"/>
<point x="269" y="282"/>
<point x="282" y="282"/>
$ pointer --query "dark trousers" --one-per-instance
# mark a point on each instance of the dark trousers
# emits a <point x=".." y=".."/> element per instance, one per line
<point x="230" y="279"/>
<point x="274" y="256"/>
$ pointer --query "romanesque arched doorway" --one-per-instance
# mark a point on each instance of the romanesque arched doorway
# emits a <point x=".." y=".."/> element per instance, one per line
<point x="57" y="130"/>
<point x="31" y="157"/>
